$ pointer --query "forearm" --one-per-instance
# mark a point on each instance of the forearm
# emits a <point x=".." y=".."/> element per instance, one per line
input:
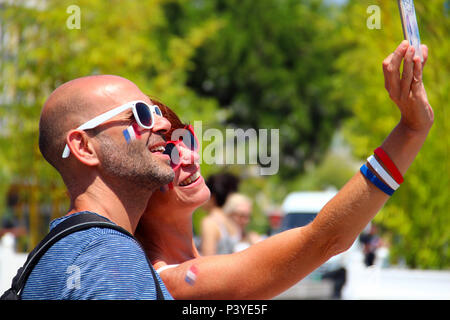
<point x="403" y="145"/>
<point x="345" y="216"/>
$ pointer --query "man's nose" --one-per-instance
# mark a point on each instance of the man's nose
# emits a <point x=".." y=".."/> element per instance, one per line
<point x="162" y="125"/>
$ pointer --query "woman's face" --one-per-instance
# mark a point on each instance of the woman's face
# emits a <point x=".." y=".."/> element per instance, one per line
<point x="188" y="186"/>
<point x="188" y="189"/>
<point x="241" y="214"/>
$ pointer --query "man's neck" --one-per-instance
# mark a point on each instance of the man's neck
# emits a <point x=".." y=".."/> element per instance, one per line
<point x="123" y="206"/>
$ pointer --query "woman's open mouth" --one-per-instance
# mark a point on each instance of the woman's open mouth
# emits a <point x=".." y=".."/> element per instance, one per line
<point x="189" y="180"/>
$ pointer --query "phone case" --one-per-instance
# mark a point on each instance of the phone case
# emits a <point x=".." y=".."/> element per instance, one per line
<point x="409" y="25"/>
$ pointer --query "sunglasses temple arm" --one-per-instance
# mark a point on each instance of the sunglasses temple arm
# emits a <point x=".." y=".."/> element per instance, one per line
<point x="97" y="121"/>
<point x="104" y="117"/>
<point x="66" y="152"/>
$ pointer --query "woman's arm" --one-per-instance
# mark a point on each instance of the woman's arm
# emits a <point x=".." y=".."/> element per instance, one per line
<point x="273" y="265"/>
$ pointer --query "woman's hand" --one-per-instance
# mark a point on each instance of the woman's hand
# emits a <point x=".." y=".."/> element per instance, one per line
<point x="408" y="92"/>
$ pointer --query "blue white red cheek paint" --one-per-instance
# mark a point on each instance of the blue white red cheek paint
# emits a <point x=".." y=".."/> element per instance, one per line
<point x="132" y="133"/>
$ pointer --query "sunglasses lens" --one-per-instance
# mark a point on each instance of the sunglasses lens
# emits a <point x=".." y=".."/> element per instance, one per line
<point x="193" y="142"/>
<point x="172" y="152"/>
<point x="143" y="112"/>
<point x="158" y="111"/>
<point x="187" y="136"/>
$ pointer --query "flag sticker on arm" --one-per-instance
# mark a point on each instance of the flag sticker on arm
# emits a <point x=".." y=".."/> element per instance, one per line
<point x="191" y="275"/>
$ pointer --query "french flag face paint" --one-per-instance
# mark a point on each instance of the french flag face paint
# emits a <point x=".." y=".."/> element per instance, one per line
<point x="131" y="133"/>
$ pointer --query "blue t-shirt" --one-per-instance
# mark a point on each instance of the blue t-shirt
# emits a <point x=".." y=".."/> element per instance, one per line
<point x="96" y="263"/>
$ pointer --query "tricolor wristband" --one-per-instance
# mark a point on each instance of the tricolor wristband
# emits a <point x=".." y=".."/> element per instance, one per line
<point x="382" y="173"/>
<point x="389" y="164"/>
<point x="377" y="182"/>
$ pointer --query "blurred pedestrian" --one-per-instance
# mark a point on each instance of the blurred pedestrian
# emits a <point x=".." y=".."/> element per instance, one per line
<point x="239" y="208"/>
<point x="371" y="242"/>
<point x="219" y="234"/>
<point x="9" y="223"/>
<point x="275" y="217"/>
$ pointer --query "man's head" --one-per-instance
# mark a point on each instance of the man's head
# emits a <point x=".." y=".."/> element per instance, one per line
<point x="102" y="151"/>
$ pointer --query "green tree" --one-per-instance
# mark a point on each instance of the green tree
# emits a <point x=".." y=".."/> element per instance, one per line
<point x="270" y="66"/>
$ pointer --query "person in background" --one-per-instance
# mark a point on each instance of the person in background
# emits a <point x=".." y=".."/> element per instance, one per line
<point x="371" y="242"/>
<point x="219" y="234"/>
<point x="9" y="223"/>
<point x="239" y="208"/>
<point x="275" y="217"/>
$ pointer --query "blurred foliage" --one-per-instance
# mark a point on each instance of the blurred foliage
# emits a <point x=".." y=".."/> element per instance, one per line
<point x="271" y="59"/>
<point x="302" y="66"/>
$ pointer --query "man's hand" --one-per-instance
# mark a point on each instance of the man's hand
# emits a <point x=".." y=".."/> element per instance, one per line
<point x="408" y="91"/>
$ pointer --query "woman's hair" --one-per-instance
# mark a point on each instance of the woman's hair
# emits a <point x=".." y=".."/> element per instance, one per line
<point x="171" y="116"/>
<point x="221" y="185"/>
<point x="233" y="201"/>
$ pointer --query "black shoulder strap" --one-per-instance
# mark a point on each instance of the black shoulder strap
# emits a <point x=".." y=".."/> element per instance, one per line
<point x="68" y="226"/>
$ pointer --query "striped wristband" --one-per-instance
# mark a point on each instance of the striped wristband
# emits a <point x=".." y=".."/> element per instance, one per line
<point x="389" y="165"/>
<point x="382" y="173"/>
<point x="377" y="182"/>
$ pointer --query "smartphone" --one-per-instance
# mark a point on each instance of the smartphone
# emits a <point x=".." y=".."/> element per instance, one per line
<point x="409" y="24"/>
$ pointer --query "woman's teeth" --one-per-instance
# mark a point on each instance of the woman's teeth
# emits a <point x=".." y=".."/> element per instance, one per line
<point x="190" y="179"/>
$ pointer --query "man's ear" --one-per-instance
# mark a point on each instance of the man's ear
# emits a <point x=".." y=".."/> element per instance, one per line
<point x="81" y="147"/>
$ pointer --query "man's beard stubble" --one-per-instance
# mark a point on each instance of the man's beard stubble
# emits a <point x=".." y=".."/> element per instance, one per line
<point x="133" y="163"/>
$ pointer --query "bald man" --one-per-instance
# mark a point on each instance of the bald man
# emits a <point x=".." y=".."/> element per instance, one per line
<point x="111" y="165"/>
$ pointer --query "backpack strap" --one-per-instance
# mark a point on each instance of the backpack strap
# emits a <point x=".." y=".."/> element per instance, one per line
<point x="68" y="226"/>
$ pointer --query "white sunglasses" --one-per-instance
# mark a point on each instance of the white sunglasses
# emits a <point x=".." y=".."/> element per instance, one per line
<point x="143" y="113"/>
